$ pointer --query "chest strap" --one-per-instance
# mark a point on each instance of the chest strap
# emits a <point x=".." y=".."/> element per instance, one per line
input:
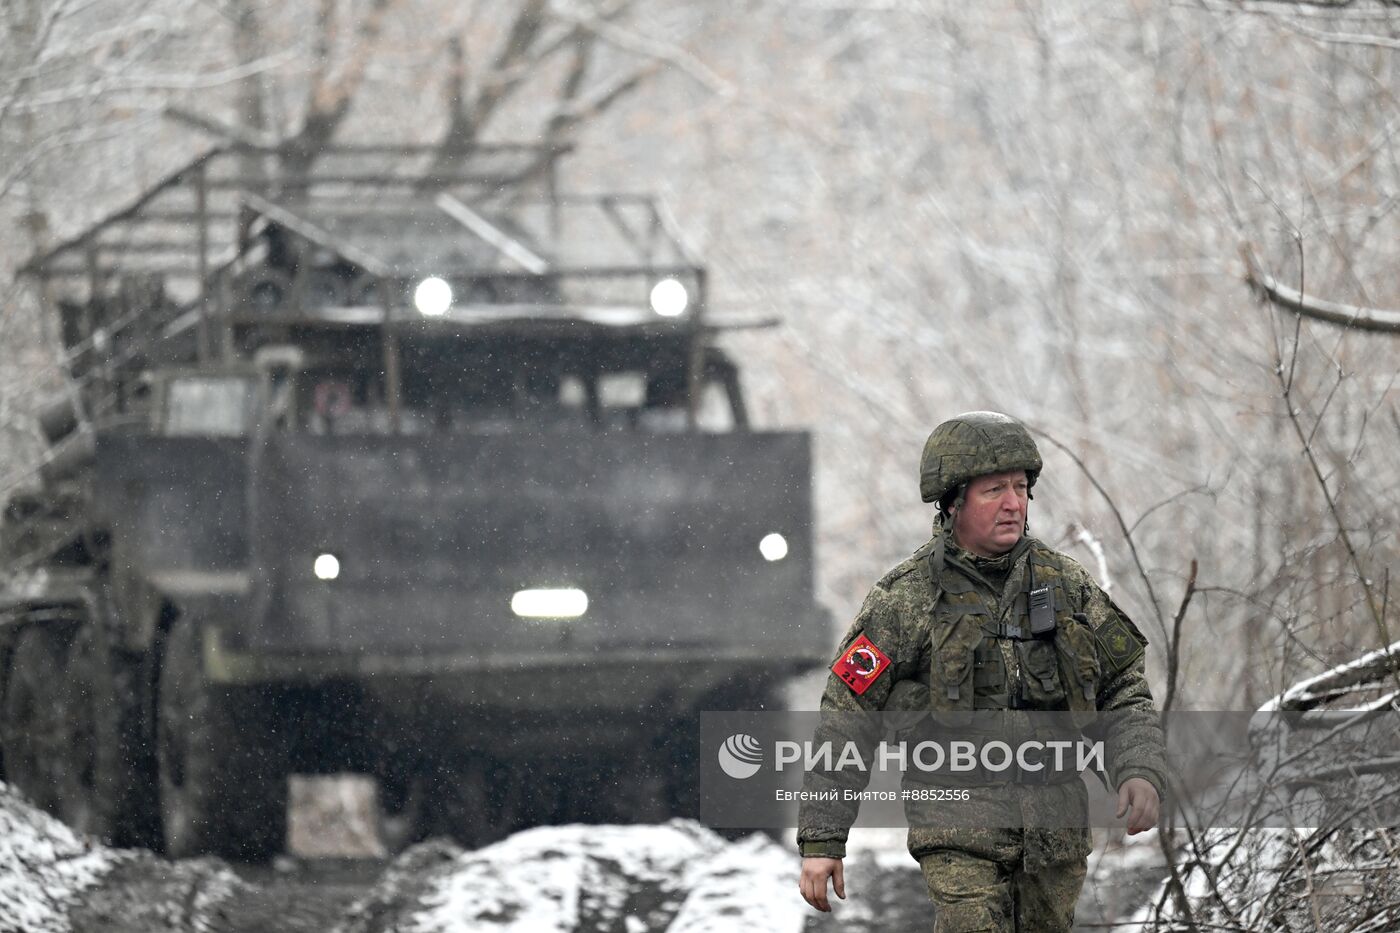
<point x="1041" y="603"/>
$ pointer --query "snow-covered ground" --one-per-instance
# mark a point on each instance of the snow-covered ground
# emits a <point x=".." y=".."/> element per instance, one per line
<point x="677" y="877"/>
<point x="1284" y="880"/>
<point x="680" y="877"/>
<point x="55" y="881"/>
<point x="44" y="867"/>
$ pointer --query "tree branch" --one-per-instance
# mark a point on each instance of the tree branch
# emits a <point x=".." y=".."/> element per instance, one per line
<point x="1352" y="317"/>
<point x="503" y="77"/>
<point x="1368" y="669"/>
<point x="570" y="115"/>
<point x="518" y="61"/>
<point x="636" y="43"/>
<point x="1122" y="527"/>
<point x="1174" y="649"/>
<point x="223" y="129"/>
<point x="331" y="93"/>
<point x="1081" y="535"/>
<point x="1339" y="38"/>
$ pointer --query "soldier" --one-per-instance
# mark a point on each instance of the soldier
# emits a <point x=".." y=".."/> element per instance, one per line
<point x="951" y="629"/>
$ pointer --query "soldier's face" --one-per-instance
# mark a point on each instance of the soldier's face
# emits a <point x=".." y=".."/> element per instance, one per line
<point x="993" y="513"/>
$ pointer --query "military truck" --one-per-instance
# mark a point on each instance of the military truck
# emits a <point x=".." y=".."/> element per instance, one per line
<point x="433" y="474"/>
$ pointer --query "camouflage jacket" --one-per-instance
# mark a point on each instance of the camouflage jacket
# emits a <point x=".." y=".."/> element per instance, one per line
<point x="927" y="631"/>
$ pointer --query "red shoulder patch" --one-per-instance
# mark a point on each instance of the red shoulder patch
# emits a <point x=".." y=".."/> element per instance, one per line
<point x="860" y="665"/>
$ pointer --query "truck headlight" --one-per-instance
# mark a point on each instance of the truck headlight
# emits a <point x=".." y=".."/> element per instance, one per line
<point x="326" y="567"/>
<point x="549" y="604"/>
<point x="432" y="297"/>
<point x="669" y="298"/>
<point x="773" y="547"/>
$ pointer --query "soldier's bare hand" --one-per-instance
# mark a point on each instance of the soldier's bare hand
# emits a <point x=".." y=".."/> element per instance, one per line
<point x="815" y="872"/>
<point x="1138" y="798"/>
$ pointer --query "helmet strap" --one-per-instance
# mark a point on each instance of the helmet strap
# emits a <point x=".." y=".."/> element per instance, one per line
<point x="933" y="566"/>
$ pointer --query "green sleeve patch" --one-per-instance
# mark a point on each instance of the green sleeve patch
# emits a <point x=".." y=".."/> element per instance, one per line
<point x="1119" y="643"/>
<point x="1137" y="632"/>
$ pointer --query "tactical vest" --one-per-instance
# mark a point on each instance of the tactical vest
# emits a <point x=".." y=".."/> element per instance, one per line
<point x="1060" y="668"/>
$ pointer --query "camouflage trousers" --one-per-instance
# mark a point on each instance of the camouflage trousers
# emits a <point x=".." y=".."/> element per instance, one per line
<point x="988" y="887"/>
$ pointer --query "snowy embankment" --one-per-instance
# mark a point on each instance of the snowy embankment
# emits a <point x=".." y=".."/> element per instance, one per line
<point x="44" y="867"/>
<point x="681" y="878"/>
<point x="53" y="880"/>
<point x="1267" y="880"/>
<point x="677" y="877"/>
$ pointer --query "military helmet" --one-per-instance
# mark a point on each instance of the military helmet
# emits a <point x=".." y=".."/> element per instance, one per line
<point x="974" y="444"/>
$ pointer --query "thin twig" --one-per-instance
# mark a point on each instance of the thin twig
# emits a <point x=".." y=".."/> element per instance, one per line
<point x="1174" y="649"/>
<point x="1122" y="526"/>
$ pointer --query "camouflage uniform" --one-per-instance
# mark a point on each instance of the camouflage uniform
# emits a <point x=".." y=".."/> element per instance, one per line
<point x="953" y="626"/>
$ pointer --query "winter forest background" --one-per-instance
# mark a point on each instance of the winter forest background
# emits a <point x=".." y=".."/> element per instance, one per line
<point x="1069" y="212"/>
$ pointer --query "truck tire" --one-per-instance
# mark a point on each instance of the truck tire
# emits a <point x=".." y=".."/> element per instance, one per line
<point x="113" y="786"/>
<point x="79" y="790"/>
<point x="32" y="721"/>
<point x="223" y="779"/>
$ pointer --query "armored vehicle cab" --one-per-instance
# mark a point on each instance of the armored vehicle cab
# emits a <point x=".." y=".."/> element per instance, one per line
<point x="439" y="477"/>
